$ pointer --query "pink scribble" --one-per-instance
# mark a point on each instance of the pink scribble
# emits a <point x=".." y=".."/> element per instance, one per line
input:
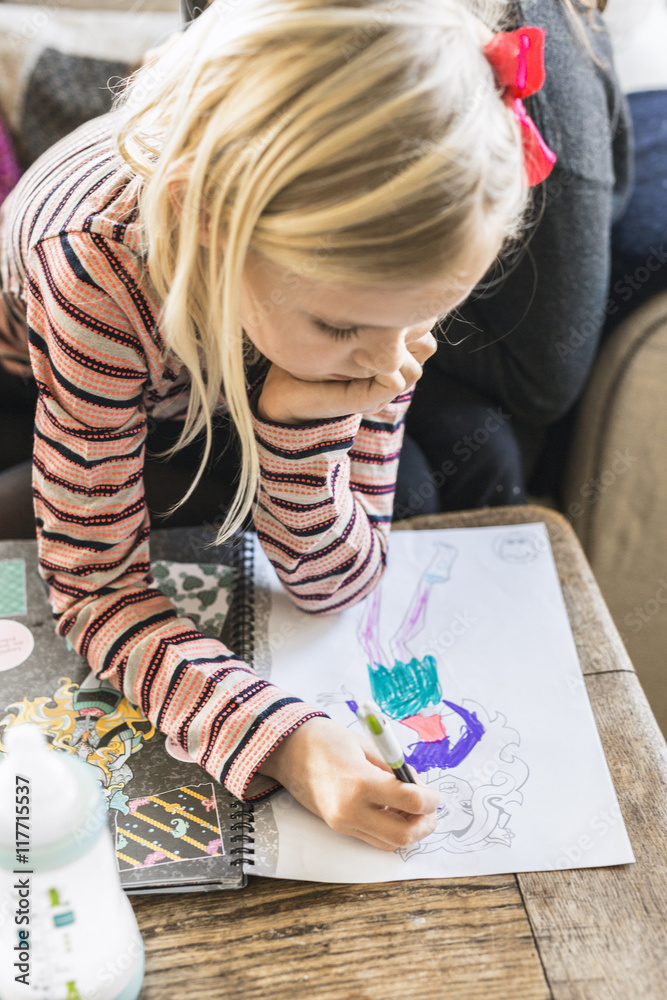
<point x="153" y="858"/>
<point x="213" y="845"/>
<point x="429" y="728"/>
<point x="208" y="804"/>
<point x="134" y="804"/>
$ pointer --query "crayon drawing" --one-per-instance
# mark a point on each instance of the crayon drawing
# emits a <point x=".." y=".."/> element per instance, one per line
<point x="474" y="810"/>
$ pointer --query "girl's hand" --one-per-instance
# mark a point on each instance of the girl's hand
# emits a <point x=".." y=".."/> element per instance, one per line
<point x="340" y="777"/>
<point x="287" y="399"/>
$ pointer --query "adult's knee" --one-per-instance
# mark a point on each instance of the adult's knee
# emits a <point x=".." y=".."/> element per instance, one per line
<point x="469" y="443"/>
<point x="17" y="518"/>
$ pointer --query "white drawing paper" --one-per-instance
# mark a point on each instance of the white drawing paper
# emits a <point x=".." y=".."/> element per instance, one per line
<point x="466" y="645"/>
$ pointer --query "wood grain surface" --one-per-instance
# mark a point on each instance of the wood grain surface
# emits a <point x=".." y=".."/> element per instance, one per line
<point x="577" y="934"/>
<point x="277" y="940"/>
<point x="602" y="932"/>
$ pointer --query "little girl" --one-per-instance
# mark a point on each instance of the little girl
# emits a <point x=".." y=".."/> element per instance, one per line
<point x="314" y="181"/>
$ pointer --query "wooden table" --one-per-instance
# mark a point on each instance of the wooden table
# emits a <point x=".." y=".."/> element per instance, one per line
<point x="583" y="934"/>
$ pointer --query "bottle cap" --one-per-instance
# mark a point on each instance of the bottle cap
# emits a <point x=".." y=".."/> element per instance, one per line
<point x="51" y="806"/>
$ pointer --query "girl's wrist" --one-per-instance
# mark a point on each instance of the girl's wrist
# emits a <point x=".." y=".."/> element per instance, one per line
<point x="283" y="759"/>
<point x="274" y="416"/>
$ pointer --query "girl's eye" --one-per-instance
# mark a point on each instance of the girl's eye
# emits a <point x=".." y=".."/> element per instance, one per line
<point x="335" y="332"/>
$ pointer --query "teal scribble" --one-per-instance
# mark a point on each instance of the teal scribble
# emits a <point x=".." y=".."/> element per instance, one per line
<point x="407" y="687"/>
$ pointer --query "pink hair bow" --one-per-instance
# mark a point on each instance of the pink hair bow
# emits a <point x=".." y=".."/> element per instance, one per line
<point x="517" y="59"/>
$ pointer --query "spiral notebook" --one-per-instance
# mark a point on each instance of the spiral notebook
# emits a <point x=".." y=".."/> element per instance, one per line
<point x="174" y="828"/>
<point x="465" y="644"/>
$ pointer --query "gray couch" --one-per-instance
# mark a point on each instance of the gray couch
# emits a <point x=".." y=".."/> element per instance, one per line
<point x="616" y="489"/>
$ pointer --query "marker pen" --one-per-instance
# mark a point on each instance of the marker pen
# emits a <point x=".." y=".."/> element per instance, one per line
<point x="385" y="740"/>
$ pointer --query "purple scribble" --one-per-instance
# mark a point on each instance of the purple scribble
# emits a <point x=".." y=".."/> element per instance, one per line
<point x="368" y="629"/>
<point x="213" y="846"/>
<point x="440" y="753"/>
<point x="412" y="623"/>
<point x="352" y="705"/>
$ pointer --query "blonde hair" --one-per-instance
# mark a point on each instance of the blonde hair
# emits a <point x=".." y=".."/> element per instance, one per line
<point x="352" y="141"/>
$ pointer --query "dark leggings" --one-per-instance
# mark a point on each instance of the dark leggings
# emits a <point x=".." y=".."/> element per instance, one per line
<point x="639" y="237"/>
<point x="461" y="464"/>
<point x="165" y="482"/>
<point x="467" y="453"/>
<point x="17" y="407"/>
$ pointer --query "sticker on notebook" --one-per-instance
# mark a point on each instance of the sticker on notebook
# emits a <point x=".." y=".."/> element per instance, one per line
<point x="93" y="720"/>
<point x="180" y="824"/>
<point x="12" y="588"/>
<point x="16" y="644"/>
<point x="176" y="751"/>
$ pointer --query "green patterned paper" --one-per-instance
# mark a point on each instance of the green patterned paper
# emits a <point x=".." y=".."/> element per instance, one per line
<point x="200" y="591"/>
<point x="12" y="588"/>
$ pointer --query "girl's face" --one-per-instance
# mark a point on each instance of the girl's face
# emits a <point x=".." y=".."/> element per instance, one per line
<point x="321" y="332"/>
<point x="455" y="809"/>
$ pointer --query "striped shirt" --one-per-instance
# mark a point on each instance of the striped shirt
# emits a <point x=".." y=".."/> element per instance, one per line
<point x="77" y="295"/>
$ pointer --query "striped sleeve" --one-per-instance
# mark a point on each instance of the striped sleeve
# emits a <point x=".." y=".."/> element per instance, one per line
<point x="93" y="353"/>
<point x="325" y="503"/>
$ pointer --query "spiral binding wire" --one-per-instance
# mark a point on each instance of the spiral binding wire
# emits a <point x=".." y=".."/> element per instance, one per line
<point x="242" y="642"/>
<point x="243" y="820"/>
<point x="243" y="627"/>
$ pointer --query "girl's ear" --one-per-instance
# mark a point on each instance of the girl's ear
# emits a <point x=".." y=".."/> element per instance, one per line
<point x="176" y="179"/>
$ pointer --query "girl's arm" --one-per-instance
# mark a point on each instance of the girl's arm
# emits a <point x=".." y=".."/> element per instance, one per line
<point x="328" y="455"/>
<point x="95" y="354"/>
<point x="325" y="502"/>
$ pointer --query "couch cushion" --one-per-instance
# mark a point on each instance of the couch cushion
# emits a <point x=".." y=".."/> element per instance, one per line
<point x="616" y="488"/>
<point x="9" y="168"/>
<point x="135" y="6"/>
<point x="57" y="64"/>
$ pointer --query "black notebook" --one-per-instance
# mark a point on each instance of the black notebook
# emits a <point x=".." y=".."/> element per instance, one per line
<point x="174" y="827"/>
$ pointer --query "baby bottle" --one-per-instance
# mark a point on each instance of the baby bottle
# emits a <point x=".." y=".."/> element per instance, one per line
<point x="67" y="930"/>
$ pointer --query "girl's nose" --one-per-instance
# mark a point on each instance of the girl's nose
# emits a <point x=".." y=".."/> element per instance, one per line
<point x="384" y="354"/>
